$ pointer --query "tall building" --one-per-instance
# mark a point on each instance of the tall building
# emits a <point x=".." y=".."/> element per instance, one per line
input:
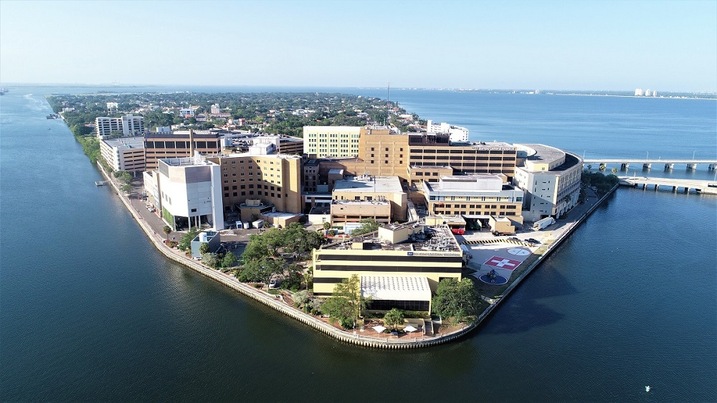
<point x="127" y="125"/>
<point x="331" y="141"/>
<point x="187" y="192"/>
<point x="124" y="153"/>
<point x="550" y="178"/>
<point x="456" y="134"/>
<point x="274" y="179"/>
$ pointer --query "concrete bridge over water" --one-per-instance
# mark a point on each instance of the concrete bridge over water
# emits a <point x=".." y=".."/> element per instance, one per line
<point x="646" y="163"/>
<point x="676" y="185"/>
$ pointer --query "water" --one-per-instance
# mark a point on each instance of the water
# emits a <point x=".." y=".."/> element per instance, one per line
<point x="89" y="311"/>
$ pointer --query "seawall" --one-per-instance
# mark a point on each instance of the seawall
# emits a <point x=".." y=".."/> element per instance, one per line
<point x="323" y="327"/>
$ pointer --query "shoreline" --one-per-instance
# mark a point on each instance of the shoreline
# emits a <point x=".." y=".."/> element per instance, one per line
<point x="344" y="336"/>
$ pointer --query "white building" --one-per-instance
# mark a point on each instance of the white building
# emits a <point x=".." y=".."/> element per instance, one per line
<point x="638" y="92"/>
<point x="127" y="125"/>
<point x="186" y="112"/>
<point x="457" y="134"/>
<point x="112" y="107"/>
<point x="124" y="153"/>
<point x="550" y="178"/>
<point x="331" y="141"/>
<point x="187" y="192"/>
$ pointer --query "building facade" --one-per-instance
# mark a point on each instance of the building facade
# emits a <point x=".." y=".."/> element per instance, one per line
<point x="331" y="141"/>
<point x="163" y="145"/>
<point x="124" y="154"/>
<point x="127" y="125"/>
<point x="274" y="179"/>
<point x="399" y="251"/>
<point x="378" y="197"/>
<point x="187" y="192"/>
<point x="550" y="178"/>
<point x="477" y="196"/>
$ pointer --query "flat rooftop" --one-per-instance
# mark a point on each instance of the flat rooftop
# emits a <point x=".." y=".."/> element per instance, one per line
<point x="126" y="142"/>
<point x="437" y="238"/>
<point x="369" y="184"/>
<point x="402" y="288"/>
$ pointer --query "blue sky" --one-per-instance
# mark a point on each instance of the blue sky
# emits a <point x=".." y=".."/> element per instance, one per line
<point x="582" y="45"/>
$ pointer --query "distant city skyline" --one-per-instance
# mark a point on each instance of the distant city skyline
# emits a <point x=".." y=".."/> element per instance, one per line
<point x="668" y="46"/>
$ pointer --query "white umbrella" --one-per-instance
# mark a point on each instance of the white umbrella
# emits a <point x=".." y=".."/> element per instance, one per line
<point x="410" y="328"/>
<point x="379" y="329"/>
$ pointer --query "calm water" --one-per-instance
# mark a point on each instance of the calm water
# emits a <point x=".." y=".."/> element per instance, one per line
<point x="89" y="311"/>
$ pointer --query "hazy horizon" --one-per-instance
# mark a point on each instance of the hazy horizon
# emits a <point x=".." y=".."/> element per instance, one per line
<point x="667" y="46"/>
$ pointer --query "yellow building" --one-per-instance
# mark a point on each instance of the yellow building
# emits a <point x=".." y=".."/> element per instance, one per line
<point x="403" y="251"/>
<point x="274" y="179"/>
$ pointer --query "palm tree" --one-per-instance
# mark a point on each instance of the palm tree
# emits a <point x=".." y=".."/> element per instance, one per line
<point x="167" y="230"/>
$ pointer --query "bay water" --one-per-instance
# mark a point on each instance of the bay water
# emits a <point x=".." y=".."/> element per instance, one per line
<point x="90" y="311"/>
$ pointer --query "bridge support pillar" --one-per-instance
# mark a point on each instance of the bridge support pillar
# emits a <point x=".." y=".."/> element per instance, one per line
<point x="687" y="189"/>
<point x="711" y="167"/>
<point x="624" y="166"/>
<point x="674" y="189"/>
<point x="646" y="166"/>
<point x="644" y="186"/>
<point x="668" y="167"/>
<point x="691" y="167"/>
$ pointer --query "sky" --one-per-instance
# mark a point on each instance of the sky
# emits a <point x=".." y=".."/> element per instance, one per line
<point x="558" y="45"/>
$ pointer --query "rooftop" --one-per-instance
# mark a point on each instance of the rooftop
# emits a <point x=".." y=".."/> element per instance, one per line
<point x="369" y="184"/>
<point x="403" y="288"/>
<point x="126" y="142"/>
<point x="438" y="238"/>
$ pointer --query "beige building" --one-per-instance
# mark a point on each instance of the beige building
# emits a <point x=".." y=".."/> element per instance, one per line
<point x="124" y="154"/>
<point x="400" y="252"/>
<point x="379" y="197"/>
<point x="551" y="180"/>
<point x="274" y="179"/>
<point x="476" y="197"/>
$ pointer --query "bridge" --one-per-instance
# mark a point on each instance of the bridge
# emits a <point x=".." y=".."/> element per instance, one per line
<point x="646" y="163"/>
<point x="685" y="185"/>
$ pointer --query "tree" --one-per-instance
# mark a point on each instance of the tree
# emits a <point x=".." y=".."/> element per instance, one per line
<point x="368" y="225"/>
<point x="210" y="259"/>
<point x="186" y="241"/>
<point x="346" y="303"/>
<point x="204" y="248"/>
<point x="456" y="300"/>
<point x="229" y="260"/>
<point x="167" y="230"/>
<point x="327" y="225"/>
<point x="126" y="188"/>
<point x="393" y="318"/>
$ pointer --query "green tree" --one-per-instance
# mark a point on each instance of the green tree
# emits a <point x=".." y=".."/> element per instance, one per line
<point x="229" y="260"/>
<point x="368" y="225"/>
<point x="456" y="300"/>
<point x="210" y="259"/>
<point x="126" y="188"/>
<point x="204" y="248"/>
<point x="186" y="241"/>
<point x="167" y="230"/>
<point x="346" y="304"/>
<point x="327" y="225"/>
<point x="393" y="318"/>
